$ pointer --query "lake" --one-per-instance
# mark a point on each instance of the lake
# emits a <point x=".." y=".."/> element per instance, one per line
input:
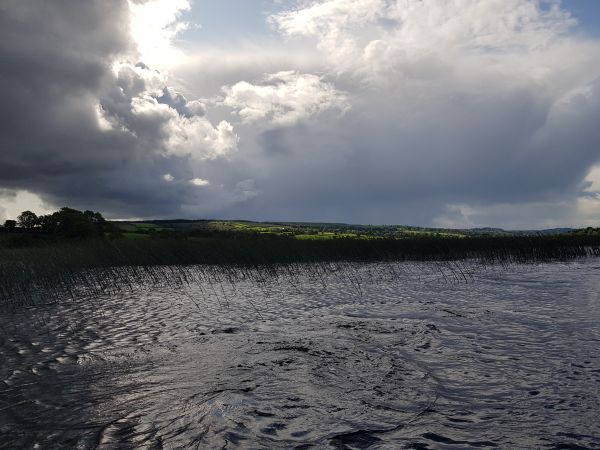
<point x="380" y="356"/>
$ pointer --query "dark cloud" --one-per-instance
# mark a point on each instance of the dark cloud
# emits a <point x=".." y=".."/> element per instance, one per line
<point x="55" y="59"/>
<point x="78" y="129"/>
<point x="447" y="125"/>
<point x="384" y="164"/>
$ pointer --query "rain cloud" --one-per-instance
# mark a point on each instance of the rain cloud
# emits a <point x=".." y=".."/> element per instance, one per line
<point x="457" y="113"/>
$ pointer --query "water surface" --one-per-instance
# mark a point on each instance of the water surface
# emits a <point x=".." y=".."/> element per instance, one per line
<point x="372" y="357"/>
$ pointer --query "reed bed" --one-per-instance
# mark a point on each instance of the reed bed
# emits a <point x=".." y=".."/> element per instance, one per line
<point x="52" y="272"/>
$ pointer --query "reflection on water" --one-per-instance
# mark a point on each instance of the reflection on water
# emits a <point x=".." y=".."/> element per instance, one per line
<point x="510" y="360"/>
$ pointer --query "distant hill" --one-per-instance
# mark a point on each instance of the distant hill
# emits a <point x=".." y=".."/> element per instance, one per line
<point x="317" y="230"/>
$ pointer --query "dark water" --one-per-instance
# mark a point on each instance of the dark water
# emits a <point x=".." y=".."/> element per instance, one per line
<point x="356" y="360"/>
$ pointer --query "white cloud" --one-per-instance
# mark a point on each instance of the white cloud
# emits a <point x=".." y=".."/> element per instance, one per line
<point x="592" y="181"/>
<point x="587" y="213"/>
<point x="154" y="26"/>
<point x="104" y="123"/>
<point x="197" y="107"/>
<point x="14" y="202"/>
<point x="162" y="119"/>
<point x="198" y="138"/>
<point x="168" y="177"/>
<point x="199" y="182"/>
<point x="138" y="79"/>
<point x="284" y="98"/>
<point x="374" y="37"/>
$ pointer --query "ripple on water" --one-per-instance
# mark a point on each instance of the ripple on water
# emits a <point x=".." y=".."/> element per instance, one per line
<point x="509" y="360"/>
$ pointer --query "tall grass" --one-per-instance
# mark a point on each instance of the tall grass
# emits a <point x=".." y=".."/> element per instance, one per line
<point x="48" y="273"/>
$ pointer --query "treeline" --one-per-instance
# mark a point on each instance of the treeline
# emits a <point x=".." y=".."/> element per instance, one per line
<point x="76" y="254"/>
<point x="65" y="223"/>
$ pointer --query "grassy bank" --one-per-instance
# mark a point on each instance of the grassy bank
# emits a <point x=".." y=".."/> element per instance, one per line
<point x="260" y="249"/>
<point x="43" y="269"/>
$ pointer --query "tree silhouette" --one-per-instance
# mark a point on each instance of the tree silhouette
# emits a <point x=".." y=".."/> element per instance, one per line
<point x="10" y="224"/>
<point x="27" y="219"/>
<point x="71" y="223"/>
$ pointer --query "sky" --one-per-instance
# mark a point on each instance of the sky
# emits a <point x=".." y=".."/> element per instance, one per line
<point x="462" y="113"/>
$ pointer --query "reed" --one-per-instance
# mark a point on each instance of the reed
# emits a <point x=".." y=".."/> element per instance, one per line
<point x="58" y="270"/>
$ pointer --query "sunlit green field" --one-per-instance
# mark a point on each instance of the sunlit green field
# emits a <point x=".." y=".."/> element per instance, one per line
<point x="300" y="231"/>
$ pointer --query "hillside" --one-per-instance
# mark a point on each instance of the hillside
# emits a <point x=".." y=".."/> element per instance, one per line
<point x="310" y="230"/>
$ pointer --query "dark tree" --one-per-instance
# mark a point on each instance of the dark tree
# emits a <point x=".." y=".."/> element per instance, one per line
<point x="95" y="218"/>
<point x="71" y="223"/>
<point x="28" y="220"/>
<point x="10" y="224"/>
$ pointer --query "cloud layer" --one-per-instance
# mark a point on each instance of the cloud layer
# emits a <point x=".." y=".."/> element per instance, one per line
<point x="462" y="113"/>
<point x="284" y="98"/>
<point x="85" y="123"/>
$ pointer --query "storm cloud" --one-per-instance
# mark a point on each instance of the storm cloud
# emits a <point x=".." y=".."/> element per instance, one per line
<point x="84" y="122"/>
<point x="457" y="113"/>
